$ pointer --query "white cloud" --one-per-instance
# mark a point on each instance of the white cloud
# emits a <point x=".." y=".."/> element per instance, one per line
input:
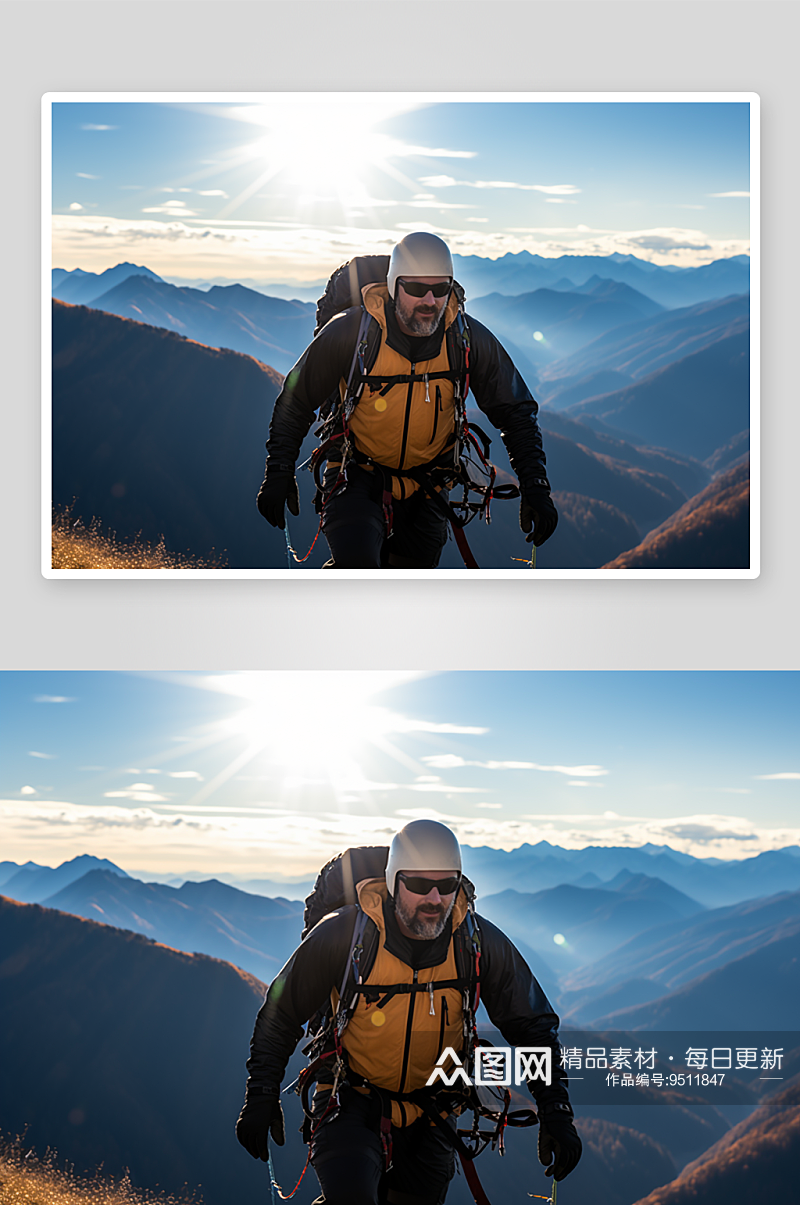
<point x="139" y="792"/>
<point x="445" y="789"/>
<point x="728" y="194"/>
<point x="86" y="176"/>
<point x="27" y="791"/>
<point x="440" y="205"/>
<point x="44" y="756"/>
<point x="488" y="805"/>
<point x="773" y="777"/>
<point x="75" y="205"/>
<point x="186" y="774"/>
<point x="172" y="209"/>
<point x="53" y="699"/>
<point x="450" y="182"/>
<point x="196" y="246"/>
<point x="210" y="192"/>
<point x="426" y="152"/>
<point x="262" y="839"/>
<point x="92" y="126"/>
<point x="409" y="724"/>
<point x="449" y="761"/>
<point x="733" y="790"/>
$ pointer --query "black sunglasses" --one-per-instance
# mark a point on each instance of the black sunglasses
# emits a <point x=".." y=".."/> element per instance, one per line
<point x="415" y="289"/>
<point x="418" y="886"/>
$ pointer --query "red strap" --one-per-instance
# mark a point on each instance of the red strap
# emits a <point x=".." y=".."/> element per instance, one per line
<point x="475" y="1186"/>
<point x="464" y="548"/>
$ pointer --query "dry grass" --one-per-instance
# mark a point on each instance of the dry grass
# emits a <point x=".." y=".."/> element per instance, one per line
<point x="27" y="1180"/>
<point x="77" y="546"/>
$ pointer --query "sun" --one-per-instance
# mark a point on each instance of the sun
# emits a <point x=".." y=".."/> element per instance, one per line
<point x="310" y="725"/>
<point x="322" y="151"/>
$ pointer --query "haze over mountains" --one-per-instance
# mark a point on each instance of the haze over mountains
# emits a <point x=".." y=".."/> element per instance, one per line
<point x="642" y="407"/>
<point x="630" y="934"/>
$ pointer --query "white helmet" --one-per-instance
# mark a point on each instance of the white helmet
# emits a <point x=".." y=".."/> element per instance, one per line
<point x="422" y="845"/>
<point x="419" y="254"/>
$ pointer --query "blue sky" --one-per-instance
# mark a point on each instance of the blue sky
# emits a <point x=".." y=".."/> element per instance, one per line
<point x="271" y="773"/>
<point x="287" y="188"/>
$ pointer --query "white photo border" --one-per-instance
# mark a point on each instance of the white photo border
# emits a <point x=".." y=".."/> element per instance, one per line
<point x="325" y="98"/>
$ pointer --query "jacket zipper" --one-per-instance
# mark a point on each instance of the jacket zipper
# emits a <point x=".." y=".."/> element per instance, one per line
<point x="442" y="1023"/>
<point x="411" y="998"/>
<point x="406" y="422"/>
<point x="436" y="410"/>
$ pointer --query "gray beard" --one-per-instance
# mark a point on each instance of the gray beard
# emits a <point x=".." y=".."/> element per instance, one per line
<point x="426" y="927"/>
<point x="418" y="324"/>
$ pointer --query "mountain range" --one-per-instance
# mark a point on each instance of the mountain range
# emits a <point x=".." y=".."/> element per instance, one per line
<point x="82" y="288"/>
<point x="710" y="881"/>
<point x="522" y="272"/>
<point x="156" y="434"/>
<point x="273" y="330"/>
<point x="631" y="942"/>
<point x="590" y="921"/>
<point x="252" y="931"/>
<point x="674" y="954"/>
<point x="711" y="530"/>
<point x="31" y="883"/>
<point x="121" y="1052"/>
<point x="551" y="324"/>
<point x="642" y="347"/>
<point x="693" y="405"/>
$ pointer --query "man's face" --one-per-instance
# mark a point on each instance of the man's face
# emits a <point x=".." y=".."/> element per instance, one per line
<point x="423" y="916"/>
<point x="419" y="315"/>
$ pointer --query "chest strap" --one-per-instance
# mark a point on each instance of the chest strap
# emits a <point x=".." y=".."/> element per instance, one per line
<point x="408" y="378"/>
<point x="375" y="993"/>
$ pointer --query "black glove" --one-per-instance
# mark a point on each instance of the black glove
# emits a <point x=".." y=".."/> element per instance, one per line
<point x="559" y="1145"/>
<point x="537" y="511"/>
<point x="279" y="489"/>
<point x="261" y="1114"/>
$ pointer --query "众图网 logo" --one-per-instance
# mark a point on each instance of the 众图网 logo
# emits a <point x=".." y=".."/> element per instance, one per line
<point x="498" y="1066"/>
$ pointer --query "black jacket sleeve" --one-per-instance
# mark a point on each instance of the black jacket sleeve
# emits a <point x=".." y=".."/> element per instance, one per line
<point x="518" y="1007"/>
<point x="301" y="988"/>
<point x="509" y="405"/>
<point x="312" y="380"/>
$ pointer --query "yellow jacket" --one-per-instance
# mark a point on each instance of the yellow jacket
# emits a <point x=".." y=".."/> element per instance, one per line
<point x="396" y="1046"/>
<point x="408" y="422"/>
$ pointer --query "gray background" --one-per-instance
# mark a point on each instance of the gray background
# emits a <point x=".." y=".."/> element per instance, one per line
<point x="437" y="45"/>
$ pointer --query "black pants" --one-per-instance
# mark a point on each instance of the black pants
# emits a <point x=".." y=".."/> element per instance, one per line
<point x="347" y="1155"/>
<point x="355" y="527"/>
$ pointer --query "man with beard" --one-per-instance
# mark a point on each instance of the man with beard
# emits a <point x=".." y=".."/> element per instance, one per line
<point x="376" y="504"/>
<point x="411" y="935"/>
